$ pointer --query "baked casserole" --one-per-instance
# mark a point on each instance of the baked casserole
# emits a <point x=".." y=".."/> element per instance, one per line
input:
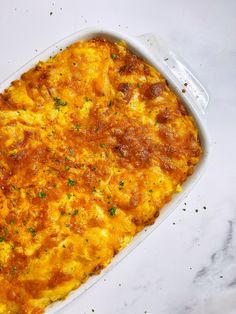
<point x="93" y="143"/>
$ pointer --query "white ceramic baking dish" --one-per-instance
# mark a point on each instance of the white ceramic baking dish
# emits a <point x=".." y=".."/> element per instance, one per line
<point x="154" y="51"/>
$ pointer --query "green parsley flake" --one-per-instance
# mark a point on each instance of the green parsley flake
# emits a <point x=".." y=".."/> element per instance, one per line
<point x="71" y="182"/>
<point x="87" y="98"/>
<point x="114" y="56"/>
<point x="69" y="195"/>
<point x="32" y="231"/>
<point x="77" y="127"/>
<point x="59" y="103"/>
<point x="1" y="239"/>
<point x="75" y="212"/>
<point x="112" y="211"/>
<point x="42" y="194"/>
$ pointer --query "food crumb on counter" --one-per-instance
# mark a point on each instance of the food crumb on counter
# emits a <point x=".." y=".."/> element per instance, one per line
<point x="196" y="210"/>
<point x="50" y="13"/>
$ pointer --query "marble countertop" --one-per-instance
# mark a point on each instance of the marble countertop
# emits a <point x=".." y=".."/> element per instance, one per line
<point x="188" y="264"/>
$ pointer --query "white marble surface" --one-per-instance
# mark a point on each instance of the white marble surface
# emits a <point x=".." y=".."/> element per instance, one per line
<point x="188" y="265"/>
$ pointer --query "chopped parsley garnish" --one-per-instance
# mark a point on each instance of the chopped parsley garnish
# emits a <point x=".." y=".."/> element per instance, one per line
<point x="102" y="145"/>
<point x="67" y="168"/>
<point x="71" y="182"/>
<point x="75" y="212"/>
<point x="59" y="103"/>
<point x="94" y="169"/>
<point x="110" y="103"/>
<point x="112" y="211"/>
<point x="150" y="190"/>
<point x="87" y="98"/>
<point x="15" y="187"/>
<point x="1" y="239"/>
<point x="122" y="183"/>
<point x="94" y="190"/>
<point x="32" y="231"/>
<point x="71" y="151"/>
<point x="13" y="154"/>
<point x="114" y="56"/>
<point x="69" y="195"/>
<point x="77" y="127"/>
<point x="42" y="194"/>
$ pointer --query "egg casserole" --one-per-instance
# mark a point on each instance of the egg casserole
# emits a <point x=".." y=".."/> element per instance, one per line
<point x="93" y="143"/>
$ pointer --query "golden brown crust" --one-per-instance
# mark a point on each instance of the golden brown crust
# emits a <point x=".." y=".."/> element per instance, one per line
<point x="92" y="144"/>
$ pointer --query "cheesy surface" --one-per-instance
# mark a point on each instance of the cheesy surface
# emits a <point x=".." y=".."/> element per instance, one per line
<point x="93" y="143"/>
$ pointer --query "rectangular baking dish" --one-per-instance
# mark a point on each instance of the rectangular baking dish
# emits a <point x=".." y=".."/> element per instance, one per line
<point x="154" y="51"/>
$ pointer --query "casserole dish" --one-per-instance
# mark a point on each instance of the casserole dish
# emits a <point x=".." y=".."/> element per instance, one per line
<point x="173" y="69"/>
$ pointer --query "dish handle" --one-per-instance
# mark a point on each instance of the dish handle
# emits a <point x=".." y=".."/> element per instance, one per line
<point x="176" y="69"/>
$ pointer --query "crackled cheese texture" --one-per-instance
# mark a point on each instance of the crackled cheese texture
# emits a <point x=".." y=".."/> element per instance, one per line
<point x="93" y="143"/>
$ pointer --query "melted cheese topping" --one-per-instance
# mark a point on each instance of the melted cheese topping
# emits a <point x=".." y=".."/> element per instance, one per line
<point x="93" y="143"/>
